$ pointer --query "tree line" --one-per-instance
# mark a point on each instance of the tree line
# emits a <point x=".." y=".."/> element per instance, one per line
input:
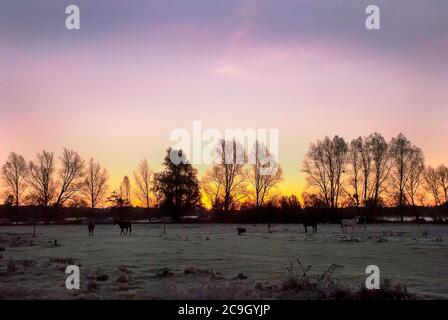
<point x="365" y="173"/>
<point x="369" y="172"/>
<point x="41" y="182"/>
<point x="70" y="181"/>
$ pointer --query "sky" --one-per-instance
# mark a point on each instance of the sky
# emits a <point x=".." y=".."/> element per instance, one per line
<point x="136" y="70"/>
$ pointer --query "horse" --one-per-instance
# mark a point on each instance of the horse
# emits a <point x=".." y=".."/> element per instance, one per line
<point x="347" y="223"/>
<point x="310" y="223"/>
<point x="241" y="230"/>
<point x="91" y="226"/>
<point x="124" y="226"/>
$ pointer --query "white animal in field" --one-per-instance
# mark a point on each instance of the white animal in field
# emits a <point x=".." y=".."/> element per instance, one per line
<point x="349" y="223"/>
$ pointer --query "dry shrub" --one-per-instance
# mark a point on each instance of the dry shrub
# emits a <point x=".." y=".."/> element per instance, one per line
<point x="203" y="272"/>
<point x="66" y="260"/>
<point x="16" y="265"/>
<point x="300" y="285"/>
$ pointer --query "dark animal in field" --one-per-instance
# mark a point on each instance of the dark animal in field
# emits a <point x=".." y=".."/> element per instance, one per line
<point x="125" y="226"/>
<point x="310" y="223"/>
<point x="241" y="230"/>
<point x="91" y="227"/>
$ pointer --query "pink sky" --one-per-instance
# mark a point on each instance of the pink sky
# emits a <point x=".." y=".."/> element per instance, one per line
<point x="116" y="96"/>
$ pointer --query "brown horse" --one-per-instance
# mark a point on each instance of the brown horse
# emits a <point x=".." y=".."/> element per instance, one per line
<point x="310" y="223"/>
<point x="91" y="226"/>
<point x="241" y="230"/>
<point x="124" y="226"/>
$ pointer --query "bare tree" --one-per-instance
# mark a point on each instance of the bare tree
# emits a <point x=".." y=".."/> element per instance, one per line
<point x="95" y="183"/>
<point x="226" y="180"/>
<point x="415" y="178"/>
<point x="14" y="173"/>
<point x="266" y="173"/>
<point x="143" y="180"/>
<point x="402" y="155"/>
<point x="70" y="175"/>
<point x="324" y="164"/>
<point x="312" y="200"/>
<point x="432" y="184"/>
<point x="40" y="178"/>
<point x="356" y="169"/>
<point x="125" y="189"/>
<point x="212" y="184"/>
<point x="380" y="166"/>
<point x="232" y="163"/>
<point x="421" y="195"/>
<point x="442" y="173"/>
<point x="360" y="160"/>
<point x="366" y="165"/>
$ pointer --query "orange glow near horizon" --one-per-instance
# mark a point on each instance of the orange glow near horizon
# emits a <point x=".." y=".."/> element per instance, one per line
<point x="115" y="89"/>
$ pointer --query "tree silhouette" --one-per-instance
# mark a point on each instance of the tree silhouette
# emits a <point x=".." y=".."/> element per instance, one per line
<point x="311" y="200"/>
<point x="404" y="157"/>
<point x="360" y="170"/>
<point x="415" y="178"/>
<point x="231" y="165"/>
<point x="95" y="183"/>
<point x="212" y="184"/>
<point x="125" y="189"/>
<point x="9" y="201"/>
<point x="119" y="202"/>
<point x="266" y="173"/>
<point x="290" y="204"/>
<point x="70" y="176"/>
<point x="41" y="178"/>
<point x="442" y="177"/>
<point x="432" y="184"/>
<point x="14" y="173"/>
<point x="381" y="165"/>
<point x="177" y="186"/>
<point x="143" y="181"/>
<point x="324" y="164"/>
<point x="225" y="182"/>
